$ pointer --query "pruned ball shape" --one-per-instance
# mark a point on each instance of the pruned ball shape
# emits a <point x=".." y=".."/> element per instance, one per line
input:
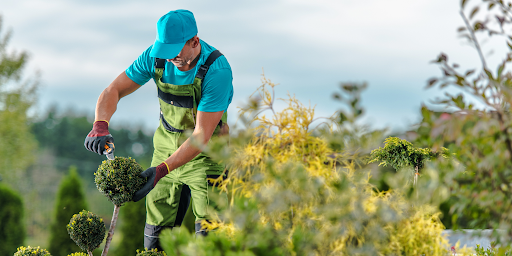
<point x="119" y="179"/>
<point x="152" y="252"/>
<point x="87" y="230"/>
<point x="31" y="251"/>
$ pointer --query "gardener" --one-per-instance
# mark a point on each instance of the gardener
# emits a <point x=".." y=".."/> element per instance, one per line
<point x="194" y="83"/>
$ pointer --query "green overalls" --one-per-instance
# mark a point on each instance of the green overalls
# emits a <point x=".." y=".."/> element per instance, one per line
<point x="178" y="111"/>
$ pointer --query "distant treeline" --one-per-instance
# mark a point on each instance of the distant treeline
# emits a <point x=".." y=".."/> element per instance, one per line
<point x="63" y="132"/>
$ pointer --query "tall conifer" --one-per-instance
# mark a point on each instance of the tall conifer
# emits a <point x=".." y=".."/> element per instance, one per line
<point x="70" y="200"/>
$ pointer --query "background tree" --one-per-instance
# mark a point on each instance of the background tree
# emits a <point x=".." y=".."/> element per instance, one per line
<point x="17" y="144"/>
<point x="12" y="229"/>
<point x="478" y="128"/>
<point x="70" y="200"/>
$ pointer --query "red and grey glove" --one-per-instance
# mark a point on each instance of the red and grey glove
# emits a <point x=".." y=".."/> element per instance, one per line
<point x="154" y="174"/>
<point x="98" y="137"/>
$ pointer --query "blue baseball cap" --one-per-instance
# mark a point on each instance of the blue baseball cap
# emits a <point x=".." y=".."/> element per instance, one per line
<point x="173" y="30"/>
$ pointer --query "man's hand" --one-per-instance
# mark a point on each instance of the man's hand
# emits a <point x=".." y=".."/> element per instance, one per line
<point x="154" y="174"/>
<point x="98" y="137"/>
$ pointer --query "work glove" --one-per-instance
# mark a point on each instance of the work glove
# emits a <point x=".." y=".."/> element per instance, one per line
<point x="98" y="137"/>
<point x="154" y="174"/>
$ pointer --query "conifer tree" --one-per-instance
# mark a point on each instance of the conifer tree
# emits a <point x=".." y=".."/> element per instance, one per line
<point x="70" y="200"/>
<point x="12" y="230"/>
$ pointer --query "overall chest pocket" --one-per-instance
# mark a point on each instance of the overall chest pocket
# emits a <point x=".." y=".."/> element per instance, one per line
<point x="177" y="110"/>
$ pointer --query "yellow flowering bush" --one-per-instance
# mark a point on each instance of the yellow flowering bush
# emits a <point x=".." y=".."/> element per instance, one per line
<point x="301" y="190"/>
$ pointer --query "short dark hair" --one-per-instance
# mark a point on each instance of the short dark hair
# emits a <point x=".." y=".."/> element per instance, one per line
<point x="190" y="40"/>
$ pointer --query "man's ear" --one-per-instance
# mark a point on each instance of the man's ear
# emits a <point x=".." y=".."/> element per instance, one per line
<point x="195" y="42"/>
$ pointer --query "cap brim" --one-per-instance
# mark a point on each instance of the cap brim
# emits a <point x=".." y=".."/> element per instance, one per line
<point x="166" y="51"/>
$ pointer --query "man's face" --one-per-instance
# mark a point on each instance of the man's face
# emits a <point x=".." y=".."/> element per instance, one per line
<point x="186" y="56"/>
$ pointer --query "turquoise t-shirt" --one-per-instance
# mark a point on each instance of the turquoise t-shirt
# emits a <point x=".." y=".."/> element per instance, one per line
<point x="217" y="85"/>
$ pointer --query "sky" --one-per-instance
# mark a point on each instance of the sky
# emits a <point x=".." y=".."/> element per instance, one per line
<point x="308" y="47"/>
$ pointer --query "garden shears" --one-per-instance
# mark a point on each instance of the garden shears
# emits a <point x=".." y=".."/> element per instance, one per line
<point x="109" y="150"/>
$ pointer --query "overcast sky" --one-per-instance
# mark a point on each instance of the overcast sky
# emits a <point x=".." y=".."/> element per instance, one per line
<point x="308" y="47"/>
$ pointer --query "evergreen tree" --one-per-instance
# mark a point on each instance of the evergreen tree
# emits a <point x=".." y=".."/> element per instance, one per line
<point x="70" y="200"/>
<point x="12" y="230"/>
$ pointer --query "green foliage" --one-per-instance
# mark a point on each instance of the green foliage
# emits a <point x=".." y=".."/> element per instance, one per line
<point x="31" y="251"/>
<point x="16" y="97"/>
<point x="477" y="129"/>
<point x="491" y="251"/>
<point x="12" y="229"/>
<point x="152" y="252"/>
<point x="70" y="200"/>
<point x="132" y="219"/>
<point x="399" y="153"/>
<point x="87" y="230"/>
<point x="119" y="179"/>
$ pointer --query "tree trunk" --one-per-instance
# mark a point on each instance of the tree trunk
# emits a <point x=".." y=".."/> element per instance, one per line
<point x="416" y="174"/>
<point x="90" y="253"/>
<point x="111" y="230"/>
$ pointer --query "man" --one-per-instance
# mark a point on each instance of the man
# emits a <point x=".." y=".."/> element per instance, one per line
<point x="194" y="83"/>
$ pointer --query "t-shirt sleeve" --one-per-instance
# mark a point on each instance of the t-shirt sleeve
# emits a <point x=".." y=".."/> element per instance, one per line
<point x="217" y="91"/>
<point x="141" y="70"/>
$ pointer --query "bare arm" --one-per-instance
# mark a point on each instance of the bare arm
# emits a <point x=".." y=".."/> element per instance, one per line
<point x="206" y="123"/>
<point x="107" y="102"/>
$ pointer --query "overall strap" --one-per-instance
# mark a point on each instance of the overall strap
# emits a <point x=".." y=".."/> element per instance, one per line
<point x="160" y="63"/>
<point x="209" y="61"/>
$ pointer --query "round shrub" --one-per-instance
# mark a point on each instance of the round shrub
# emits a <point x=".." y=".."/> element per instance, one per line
<point x="31" y="251"/>
<point x="119" y="179"/>
<point x="78" y="254"/>
<point x="87" y="230"/>
<point x="152" y="252"/>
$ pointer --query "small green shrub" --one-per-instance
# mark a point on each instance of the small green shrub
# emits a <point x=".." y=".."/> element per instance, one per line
<point x="78" y="254"/>
<point x="399" y="154"/>
<point x="31" y="251"/>
<point x="119" y="179"/>
<point x="152" y="252"/>
<point x="87" y="230"/>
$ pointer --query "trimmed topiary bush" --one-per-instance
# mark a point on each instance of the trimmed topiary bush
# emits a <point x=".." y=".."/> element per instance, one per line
<point x="87" y="230"/>
<point x="31" y="251"/>
<point x="152" y="252"/>
<point x="119" y="179"/>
